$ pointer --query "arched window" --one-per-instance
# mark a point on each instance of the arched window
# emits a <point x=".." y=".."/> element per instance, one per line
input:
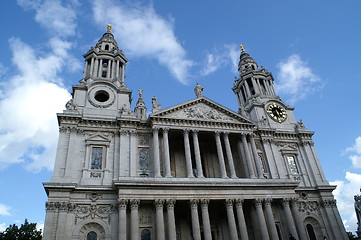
<point x="311" y="232"/>
<point x="106" y="47"/>
<point x="145" y="235"/>
<point x="91" y="236"/>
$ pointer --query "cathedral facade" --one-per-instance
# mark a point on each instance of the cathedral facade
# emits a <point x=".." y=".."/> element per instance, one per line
<point x="197" y="170"/>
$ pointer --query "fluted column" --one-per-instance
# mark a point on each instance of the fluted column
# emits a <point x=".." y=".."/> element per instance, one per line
<point x="172" y="234"/>
<point x="241" y="220"/>
<point x="159" y="219"/>
<point x="108" y="68"/>
<point x="257" y="160"/>
<point x="222" y="166"/>
<point x="229" y="155"/>
<point x="187" y="150"/>
<point x="195" y="219"/>
<point x="156" y="153"/>
<point x="299" y="223"/>
<point x="231" y="221"/>
<point x="205" y="219"/>
<point x="91" y="70"/>
<point x="100" y="68"/>
<point x="248" y="156"/>
<point x="117" y="69"/>
<point x="166" y="153"/>
<point x="197" y="154"/>
<point x="122" y="234"/>
<point x="270" y="219"/>
<point x="261" y="219"/>
<point x="134" y="219"/>
<point x="289" y="218"/>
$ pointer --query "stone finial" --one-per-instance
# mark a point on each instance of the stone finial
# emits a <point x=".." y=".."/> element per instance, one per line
<point x="241" y="47"/>
<point x="198" y="90"/>
<point x="155" y="105"/>
<point x="109" y="28"/>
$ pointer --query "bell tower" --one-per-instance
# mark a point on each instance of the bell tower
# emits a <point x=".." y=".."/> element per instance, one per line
<point x="256" y="95"/>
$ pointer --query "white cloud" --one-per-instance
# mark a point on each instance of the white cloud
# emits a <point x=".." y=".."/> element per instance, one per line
<point x="4" y="210"/>
<point x="355" y="150"/>
<point x="296" y="79"/>
<point x="344" y="194"/>
<point x="3" y="226"/>
<point x="34" y="91"/>
<point x="143" y="33"/>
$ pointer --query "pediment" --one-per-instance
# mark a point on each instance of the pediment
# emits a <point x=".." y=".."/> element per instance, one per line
<point x="291" y="147"/>
<point x="201" y="109"/>
<point x="97" y="138"/>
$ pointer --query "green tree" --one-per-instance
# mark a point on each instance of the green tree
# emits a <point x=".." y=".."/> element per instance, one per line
<point x="27" y="231"/>
<point x="351" y="236"/>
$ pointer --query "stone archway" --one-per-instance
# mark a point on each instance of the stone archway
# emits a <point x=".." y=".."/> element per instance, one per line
<point x="92" y="231"/>
<point x="313" y="228"/>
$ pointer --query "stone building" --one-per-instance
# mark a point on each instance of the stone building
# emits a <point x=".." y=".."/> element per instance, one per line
<point x="197" y="170"/>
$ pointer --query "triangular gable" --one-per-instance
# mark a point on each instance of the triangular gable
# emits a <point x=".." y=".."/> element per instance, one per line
<point x="97" y="138"/>
<point x="201" y="109"/>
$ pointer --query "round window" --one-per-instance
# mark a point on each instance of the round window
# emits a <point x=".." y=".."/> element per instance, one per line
<point x="101" y="96"/>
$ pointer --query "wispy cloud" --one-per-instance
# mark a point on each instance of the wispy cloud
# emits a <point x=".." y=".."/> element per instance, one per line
<point x="4" y="210"/>
<point x="144" y="33"/>
<point x="34" y="92"/>
<point x="344" y="194"/>
<point x="355" y="151"/>
<point x="295" y="79"/>
<point x="227" y="55"/>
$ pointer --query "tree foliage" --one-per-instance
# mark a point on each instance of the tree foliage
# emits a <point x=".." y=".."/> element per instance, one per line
<point x="27" y="231"/>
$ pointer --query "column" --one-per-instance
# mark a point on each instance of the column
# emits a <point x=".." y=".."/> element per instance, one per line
<point x="229" y="155"/>
<point x="117" y="69"/>
<point x="195" y="219"/>
<point x="291" y="223"/>
<point x="326" y="203"/>
<point x="122" y="234"/>
<point x="85" y="69"/>
<point x="172" y="234"/>
<point x="187" y="151"/>
<point x="205" y="219"/>
<point x="91" y="70"/>
<point x="197" y="154"/>
<point x="270" y="219"/>
<point x="241" y="220"/>
<point x="159" y="219"/>
<point x="261" y="219"/>
<point x="100" y="68"/>
<point x="256" y="158"/>
<point x="156" y="153"/>
<point x="248" y="156"/>
<point x="108" y="68"/>
<point x="134" y="219"/>
<point x="123" y="68"/>
<point x="222" y="166"/>
<point x="95" y="68"/>
<point x="231" y="221"/>
<point x="299" y="223"/>
<point x="166" y="153"/>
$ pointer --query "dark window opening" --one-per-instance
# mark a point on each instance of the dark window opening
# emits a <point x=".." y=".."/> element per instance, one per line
<point x="250" y="85"/>
<point x="311" y="232"/>
<point x="278" y="232"/>
<point x="145" y="235"/>
<point x="96" y="158"/>
<point x="243" y="95"/>
<point x="91" y="236"/>
<point x="101" y="96"/>
<point x="106" y="47"/>
<point x="104" y="74"/>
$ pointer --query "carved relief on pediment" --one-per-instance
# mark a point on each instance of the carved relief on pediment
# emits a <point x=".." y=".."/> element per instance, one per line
<point x="201" y="112"/>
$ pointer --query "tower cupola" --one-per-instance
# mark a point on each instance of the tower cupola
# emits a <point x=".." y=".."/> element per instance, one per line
<point x="246" y="63"/>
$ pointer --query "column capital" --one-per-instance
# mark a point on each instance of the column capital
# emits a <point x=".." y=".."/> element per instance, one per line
<point x="286" y="201"/>
<point x="258" y="202"/>
<point x="155" y="129"/>
<point x="159" y="203"/>
<point x="217" y="132"/>
<point x="204" y="202"/>
<point x="165" y="129"/>
<point x="122" y="203"/>
<point x="194" y="131"/>
<point x="170" y="203"/>
<point x="268" y="201"/>
<point x="186" y="131"/>
<point x="239" y="202"/>
<point x="194" y="203"/>
<point x="134" y="204"/>
<point x="229" y="202"/>
<point x="225" y="132"/>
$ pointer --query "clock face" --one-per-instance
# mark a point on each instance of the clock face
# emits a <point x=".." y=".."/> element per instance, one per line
<point x="277" y="112"/>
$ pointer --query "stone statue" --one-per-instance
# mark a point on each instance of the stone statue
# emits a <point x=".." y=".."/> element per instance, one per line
<point x="198" y="90"/>
<point x="70" y="105"/>
<point x="155" y="105"/>
<point x="358" y="213"/>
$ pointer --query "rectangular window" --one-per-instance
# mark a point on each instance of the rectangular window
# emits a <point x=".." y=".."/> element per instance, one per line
<point x="292" y="164"/>
<point x="96" y="158"/>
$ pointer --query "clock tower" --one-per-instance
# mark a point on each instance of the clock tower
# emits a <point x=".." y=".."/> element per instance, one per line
<point x="257" y="98"/>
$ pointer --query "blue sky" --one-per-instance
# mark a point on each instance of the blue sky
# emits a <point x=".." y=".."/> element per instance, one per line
<point x="311" y="47"/>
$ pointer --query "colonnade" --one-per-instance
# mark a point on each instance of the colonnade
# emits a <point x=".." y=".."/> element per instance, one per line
<point x="246" y="147"/>
<point x="95" y="68"/>
<point x="265" y="221"/>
